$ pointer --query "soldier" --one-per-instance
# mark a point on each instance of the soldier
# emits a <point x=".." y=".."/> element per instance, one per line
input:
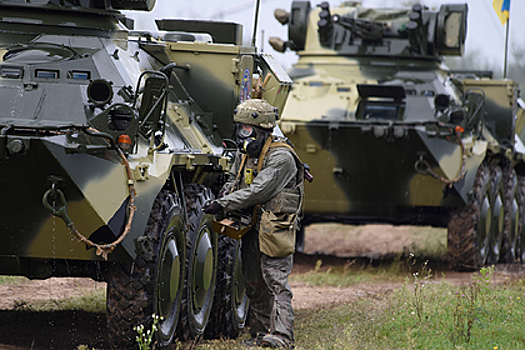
<point x="267" y="179"/>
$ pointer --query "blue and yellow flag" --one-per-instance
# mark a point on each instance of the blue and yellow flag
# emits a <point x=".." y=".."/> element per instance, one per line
<point x="502" y="8"/>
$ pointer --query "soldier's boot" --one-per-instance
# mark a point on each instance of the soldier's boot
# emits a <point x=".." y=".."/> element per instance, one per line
<point x="259" y="318"/>
<point x="275" y="341"/>
<point x="251" y="343"/>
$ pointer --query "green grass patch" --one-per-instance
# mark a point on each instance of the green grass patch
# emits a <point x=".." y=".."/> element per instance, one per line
<point x="351" y="274"/>
<point x="12" y="280"/>
<point x="422" y="315"/>
<point x="91" y="302"/>
<point x="429" y="242"/>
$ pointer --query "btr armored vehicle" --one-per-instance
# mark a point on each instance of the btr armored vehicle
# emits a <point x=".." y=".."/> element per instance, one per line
<point x="111" y="141"/>
<point x="392" y="135"/>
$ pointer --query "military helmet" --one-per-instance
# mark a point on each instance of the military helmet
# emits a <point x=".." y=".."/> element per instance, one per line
<point x="256" y="112"/>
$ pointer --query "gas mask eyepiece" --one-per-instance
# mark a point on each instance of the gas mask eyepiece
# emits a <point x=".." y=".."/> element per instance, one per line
<point x="245" y="131"/>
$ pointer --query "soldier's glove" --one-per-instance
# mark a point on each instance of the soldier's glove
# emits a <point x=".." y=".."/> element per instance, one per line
<point x="212" y="208"/>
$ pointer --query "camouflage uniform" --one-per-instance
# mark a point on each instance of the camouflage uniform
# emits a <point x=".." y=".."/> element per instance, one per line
<point x="266" y="277"/>
<point x="266" y="266"/>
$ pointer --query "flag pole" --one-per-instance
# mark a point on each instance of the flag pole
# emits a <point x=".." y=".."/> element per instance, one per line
<point x="506" y="49"/>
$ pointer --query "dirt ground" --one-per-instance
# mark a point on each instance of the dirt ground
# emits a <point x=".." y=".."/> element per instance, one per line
<point x="23" y="329"/>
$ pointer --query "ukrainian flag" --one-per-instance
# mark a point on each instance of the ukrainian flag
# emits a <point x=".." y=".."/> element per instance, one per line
<point x="502" y="8"/>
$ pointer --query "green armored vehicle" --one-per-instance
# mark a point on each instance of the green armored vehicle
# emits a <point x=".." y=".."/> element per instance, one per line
<point x="111" y="142"/>
<point x="393" y="136"/>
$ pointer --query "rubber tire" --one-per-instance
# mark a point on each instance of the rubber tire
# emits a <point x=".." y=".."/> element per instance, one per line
<point x="134" y="290"/>
<point x="467" y="238"/>
<point x="201" y="269"/>
<point x="231" y="304"/>
<point x="509" y="248"/>
<point x="497" y="231"/>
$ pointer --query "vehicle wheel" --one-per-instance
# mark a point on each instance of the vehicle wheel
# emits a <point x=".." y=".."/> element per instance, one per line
<point x="512" y="217"/>
<point x="230" y="307"/>
<point x="201" y="264"/>
<point x="496" y="232"/>
<point x="153" y="283"/>
<point x="520" y="239"/>
<point x="469" y="227"/>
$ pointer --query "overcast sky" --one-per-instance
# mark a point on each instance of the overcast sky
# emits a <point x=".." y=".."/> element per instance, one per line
<point x="485" y="33"/>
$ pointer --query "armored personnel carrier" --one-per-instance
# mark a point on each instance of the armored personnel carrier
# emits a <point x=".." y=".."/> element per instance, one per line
<point x="392" y="135"/>
<point x="111" y="142"/>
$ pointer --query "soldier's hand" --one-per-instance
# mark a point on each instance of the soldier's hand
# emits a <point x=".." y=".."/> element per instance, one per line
<point x="212" y="208"/>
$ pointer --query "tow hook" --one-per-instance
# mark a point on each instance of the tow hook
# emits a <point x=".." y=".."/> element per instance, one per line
<point x="54" y="200"/>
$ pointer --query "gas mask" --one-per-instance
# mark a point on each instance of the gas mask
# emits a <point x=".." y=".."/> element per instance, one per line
<point x="250" y="139"/>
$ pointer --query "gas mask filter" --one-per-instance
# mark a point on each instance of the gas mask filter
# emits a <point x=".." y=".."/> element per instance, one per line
<point x="249" y="140"/>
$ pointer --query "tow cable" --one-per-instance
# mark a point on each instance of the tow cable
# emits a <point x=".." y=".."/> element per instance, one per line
<point x="55" y="194"/>
<point x="423" y="167"/>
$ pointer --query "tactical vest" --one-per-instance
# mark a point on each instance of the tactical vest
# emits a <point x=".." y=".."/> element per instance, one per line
<point x="289" y="200"/>
<point x="280" y="218"/>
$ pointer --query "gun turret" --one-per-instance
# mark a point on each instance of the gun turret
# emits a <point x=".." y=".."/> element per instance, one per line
<point x="351" y="30"/>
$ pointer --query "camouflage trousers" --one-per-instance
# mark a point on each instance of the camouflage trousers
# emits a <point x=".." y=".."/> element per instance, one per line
<point x="267" y="287"/>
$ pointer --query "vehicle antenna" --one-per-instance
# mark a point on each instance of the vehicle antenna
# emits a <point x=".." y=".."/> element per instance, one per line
<point x="256" y="21"/>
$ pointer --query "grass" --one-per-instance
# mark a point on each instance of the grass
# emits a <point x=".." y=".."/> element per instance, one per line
<point x="91" y="302"/>
<point x="422" y="314"/>
<point x="11" y="280"/>
<point x="422" y="241"/>
<point x="475" y="316"/>
<point x="352" y="273"/>
<point x="430" y="242"/>
<point x="394" y="324"/>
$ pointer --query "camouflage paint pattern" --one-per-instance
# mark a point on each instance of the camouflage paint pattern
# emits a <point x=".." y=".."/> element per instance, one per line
<point x="49" y="124"/>
<point x="368" y="168"/>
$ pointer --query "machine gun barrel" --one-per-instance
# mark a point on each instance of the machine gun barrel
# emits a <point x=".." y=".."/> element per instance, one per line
<point x="364" y="29"/>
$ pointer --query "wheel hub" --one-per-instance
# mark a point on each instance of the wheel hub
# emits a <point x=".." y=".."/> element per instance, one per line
<point x="240" y="287"/>
<point x="169" y="278"/>
<point x="203" y="269"/>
